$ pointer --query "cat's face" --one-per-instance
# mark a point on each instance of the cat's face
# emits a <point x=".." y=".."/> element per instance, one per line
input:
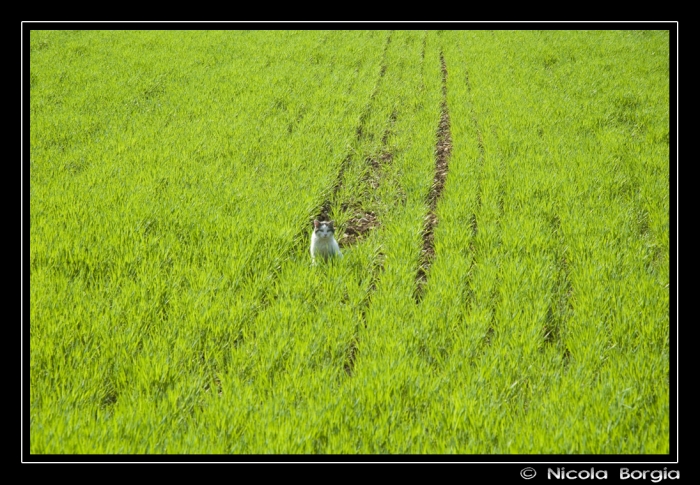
<point x="323" y="228"/>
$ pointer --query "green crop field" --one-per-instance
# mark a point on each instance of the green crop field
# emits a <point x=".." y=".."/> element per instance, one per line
<point x="501" y="199"/>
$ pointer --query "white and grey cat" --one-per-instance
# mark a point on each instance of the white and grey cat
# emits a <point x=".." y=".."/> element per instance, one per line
<point x="323" y="244"/>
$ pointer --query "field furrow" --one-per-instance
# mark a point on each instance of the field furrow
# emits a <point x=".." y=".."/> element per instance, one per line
<point x="443" y="148"/>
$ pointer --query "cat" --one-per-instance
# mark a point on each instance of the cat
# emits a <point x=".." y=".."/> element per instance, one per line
<point x="323" y="244"/>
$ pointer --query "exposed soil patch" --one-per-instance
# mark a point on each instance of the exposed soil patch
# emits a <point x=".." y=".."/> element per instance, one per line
<point x="443" y="150"/>
<point x="357" y="227"/>
<point x="363" y="221"/>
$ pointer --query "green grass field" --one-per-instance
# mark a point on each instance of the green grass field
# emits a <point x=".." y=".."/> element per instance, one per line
<point x="502" y="202"/>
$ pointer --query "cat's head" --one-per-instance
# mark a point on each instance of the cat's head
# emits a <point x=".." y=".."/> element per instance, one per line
<point x="323" y="228"/>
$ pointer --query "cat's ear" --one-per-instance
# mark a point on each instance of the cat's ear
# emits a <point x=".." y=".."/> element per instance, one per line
<point x="331" y="223"/>
<point x="315" y="223"/>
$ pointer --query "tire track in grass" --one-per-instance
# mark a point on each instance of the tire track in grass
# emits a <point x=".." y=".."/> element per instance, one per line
<point x="495" y="295"/>
<point x="382" y="180"/>
<point x="480" y="161"/>
<point x="489" y="205"/>
<point x="377" y="173"/>
<point x="301" y="237"/>
<point x="265" y="295"/>
<point x="560" y="307"/>
<point x="443" y="150"/>
<point x="360" y="135"/>
<point x="422" y="62"/>
<point x="377" y="266"/>
<point x="363" y="221"/>
<point x="358" y="226"/>
<point x="468" y="291"/>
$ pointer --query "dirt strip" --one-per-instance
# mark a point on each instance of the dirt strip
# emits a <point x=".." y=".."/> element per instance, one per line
<point x="443" y="150"/>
